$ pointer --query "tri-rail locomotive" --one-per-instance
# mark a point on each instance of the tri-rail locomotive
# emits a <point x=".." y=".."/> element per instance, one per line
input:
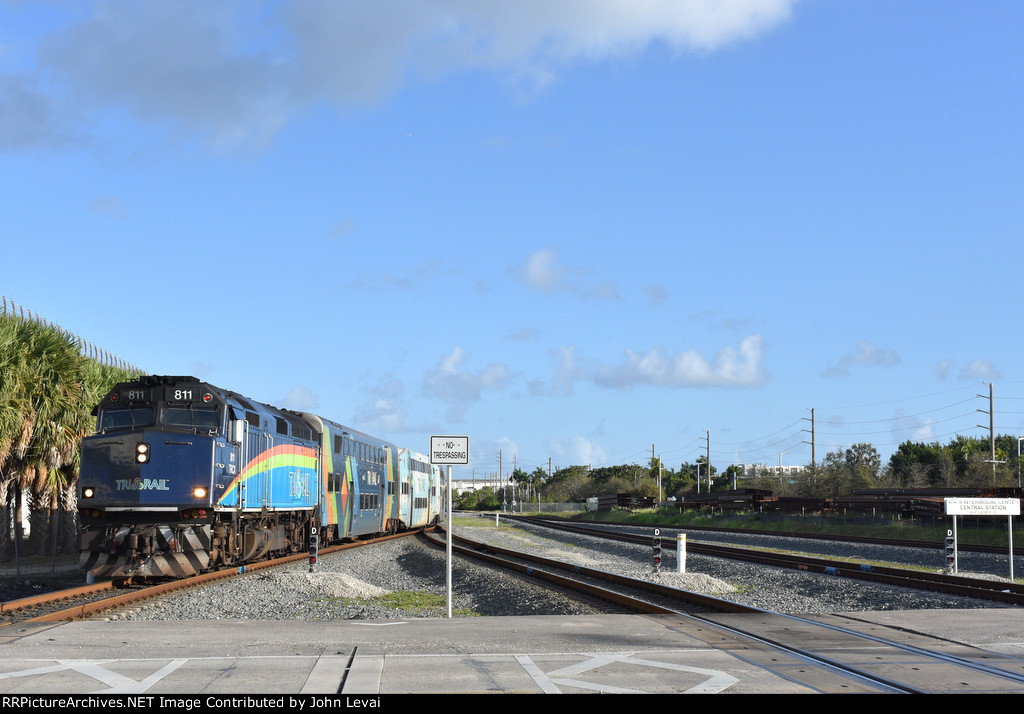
<point x="182" y="477"/>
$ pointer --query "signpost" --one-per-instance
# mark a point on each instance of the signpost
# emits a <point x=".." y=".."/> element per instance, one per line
<point x="951" y="549"/>
<point x="1008" y="507"/>
<point x="656" y="547"/>
<point x="314" y="547"/>
<point x="446" y="451"/>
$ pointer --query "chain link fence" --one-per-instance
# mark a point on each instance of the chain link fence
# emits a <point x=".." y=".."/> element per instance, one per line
<point x="88" y="349"/>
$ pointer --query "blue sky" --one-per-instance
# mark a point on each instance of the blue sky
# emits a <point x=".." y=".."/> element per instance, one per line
<point x="569" y="230"/>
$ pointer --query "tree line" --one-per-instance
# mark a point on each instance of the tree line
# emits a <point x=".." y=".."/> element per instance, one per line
<point x="963" y="462"/>
<point x="48" y="390"/>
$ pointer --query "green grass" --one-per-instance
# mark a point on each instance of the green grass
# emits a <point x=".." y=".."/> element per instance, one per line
<point x="481" y="522"/>
<point x="405" y="600"/>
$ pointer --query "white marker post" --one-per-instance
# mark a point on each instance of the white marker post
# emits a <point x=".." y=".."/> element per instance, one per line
<point x="445" y="451"/>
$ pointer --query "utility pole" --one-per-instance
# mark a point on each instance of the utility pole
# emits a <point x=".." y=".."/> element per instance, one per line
<point x="1020" y="442"/>
<point x="812" y="439"/>
<point x="991" y="427"/>
<point x="659" y="472"/>
<point x="709" y="459"/>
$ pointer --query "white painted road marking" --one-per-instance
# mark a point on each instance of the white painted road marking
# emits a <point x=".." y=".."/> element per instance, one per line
<point x="717" y="681"/>
<point x="116" y="683"/>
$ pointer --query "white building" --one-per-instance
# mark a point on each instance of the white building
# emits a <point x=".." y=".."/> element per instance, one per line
<point x="470" y="485"/>
<point x="754" y="470"/>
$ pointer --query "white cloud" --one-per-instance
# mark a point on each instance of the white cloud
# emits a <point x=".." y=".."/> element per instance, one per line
<point x="110" y="205"/>
<point x="364" y="49"/>
<point x="542" y="272"/>
<point x="568" y="370"/>
<point x="576" y="451"/>
<point x="206" y="67"/>
<point x="866" y="353"/>
<point x="384" y="409"/>
<point x="301" y="399"/>
<point x="979" y="369"/>
<point x="236" y="72"/>
<point x="523" y="334"/>
<point x="202" y="369"/>
<point x="914" y="427"/>
<point x="656" y="293"/>
<point x="732" y="366"/>
<point x="457" y="386"/>
<point x="30" y="116"/>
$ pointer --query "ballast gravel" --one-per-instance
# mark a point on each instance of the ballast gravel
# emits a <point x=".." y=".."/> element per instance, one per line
<point x="356" y="584"/>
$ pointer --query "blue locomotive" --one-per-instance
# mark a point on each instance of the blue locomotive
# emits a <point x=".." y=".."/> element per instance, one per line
<point x="182" y="476"/>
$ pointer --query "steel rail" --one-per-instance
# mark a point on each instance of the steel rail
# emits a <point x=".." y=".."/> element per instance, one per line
<point x="477" y="550"/>
<point x="502" y="557"/>
<point x="91" y="608"/>
<point x="870" y="540"/>
<point x="53" y="596"/>
<point x="898" y="577"/>
<point x="914" y="649"/>
<point x="994" y="590"/>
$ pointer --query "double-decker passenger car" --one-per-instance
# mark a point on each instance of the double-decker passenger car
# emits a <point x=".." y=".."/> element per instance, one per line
<point x="182" y="476"/>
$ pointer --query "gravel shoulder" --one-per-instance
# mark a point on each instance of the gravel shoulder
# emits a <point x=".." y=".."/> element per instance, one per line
<point x="360" y="583"/>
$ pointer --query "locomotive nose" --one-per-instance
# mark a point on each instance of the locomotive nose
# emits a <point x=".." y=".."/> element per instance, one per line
<point x="147" y="469"/>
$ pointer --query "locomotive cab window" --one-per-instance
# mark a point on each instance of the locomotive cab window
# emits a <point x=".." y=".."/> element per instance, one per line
<point x="126" y="418"/>
<point x="202" y="418"/>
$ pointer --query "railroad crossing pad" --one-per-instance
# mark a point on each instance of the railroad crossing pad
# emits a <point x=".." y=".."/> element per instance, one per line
<point x="554" y="654"/>
<point x="606" y="653"/>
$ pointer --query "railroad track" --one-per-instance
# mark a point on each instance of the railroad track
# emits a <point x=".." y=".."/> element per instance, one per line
<point x="824" y="655"/>
<point x="992" y="590"/>
<point x="594" y="583"/>
<point x="868" y="540"/>
<point x="99" y="598"/>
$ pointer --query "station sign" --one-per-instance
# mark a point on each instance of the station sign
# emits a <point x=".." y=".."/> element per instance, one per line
<point x="982" y="506"/>
<point x="449" y="450"/>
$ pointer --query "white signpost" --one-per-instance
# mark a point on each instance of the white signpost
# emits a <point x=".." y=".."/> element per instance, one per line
<point x="446" y="451"/>
<point x="1008" y="507"/>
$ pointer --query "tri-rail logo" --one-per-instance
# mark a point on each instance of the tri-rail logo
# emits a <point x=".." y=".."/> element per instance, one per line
<point x="142" y="484"/>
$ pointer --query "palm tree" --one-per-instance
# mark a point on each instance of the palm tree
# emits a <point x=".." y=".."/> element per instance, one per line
<point x="15" y="424"/>
<point x="47" y="393"/>
<point x="55" y="400"/>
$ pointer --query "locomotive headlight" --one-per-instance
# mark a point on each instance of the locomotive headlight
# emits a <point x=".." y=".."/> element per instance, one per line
<point x="142" y="452"/>
<point x="88" y="492"/>
<point x="199" y="492"/>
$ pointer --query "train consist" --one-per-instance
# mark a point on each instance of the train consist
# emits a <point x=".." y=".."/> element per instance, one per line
<point x="182" y="477"/>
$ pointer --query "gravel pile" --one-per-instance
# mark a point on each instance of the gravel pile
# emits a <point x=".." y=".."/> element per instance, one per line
<point x="355" y="584"/>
